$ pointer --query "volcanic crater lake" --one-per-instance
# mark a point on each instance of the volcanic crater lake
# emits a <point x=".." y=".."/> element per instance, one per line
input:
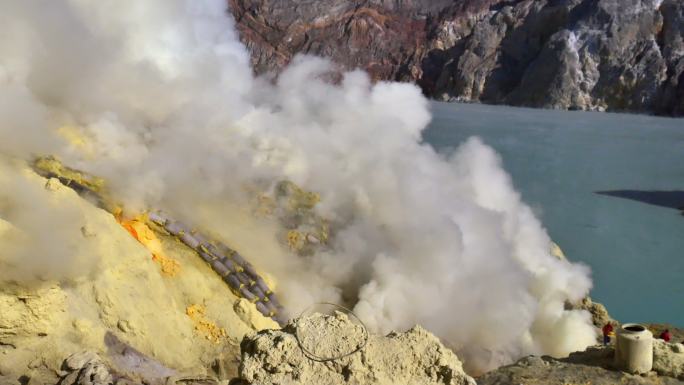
<point x="606" y="187"/>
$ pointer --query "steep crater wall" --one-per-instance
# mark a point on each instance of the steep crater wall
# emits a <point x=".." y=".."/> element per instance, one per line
<point x="616" y="55"/>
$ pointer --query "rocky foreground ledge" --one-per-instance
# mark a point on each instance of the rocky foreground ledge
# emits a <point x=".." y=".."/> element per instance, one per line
<point x="317" y="349"/>
<point x="417" y="357"/>
<point x="593" y="366"/>
<point x="304" y="353"/>
<point x="333" y="350"/>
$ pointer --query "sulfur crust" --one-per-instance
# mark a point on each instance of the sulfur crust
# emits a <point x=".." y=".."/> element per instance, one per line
<point x="128" y="295"/>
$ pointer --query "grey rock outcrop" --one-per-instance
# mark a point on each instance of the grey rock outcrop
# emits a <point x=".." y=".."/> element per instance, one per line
<point x="593" y="366"/>
<point x="617" y="55"/>
<point x="123" y="365"/>
<point x="87" y="368"/>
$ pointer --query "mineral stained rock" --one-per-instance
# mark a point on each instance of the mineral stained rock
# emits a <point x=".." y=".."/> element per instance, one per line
<point x="618" y="55"/>
<point x="413" y="357"/>
<point x="599" y="314"/>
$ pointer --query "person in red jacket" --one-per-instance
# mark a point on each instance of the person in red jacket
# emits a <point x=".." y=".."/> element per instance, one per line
<point x="666" y="335"/>
<point x="607" y="330"/>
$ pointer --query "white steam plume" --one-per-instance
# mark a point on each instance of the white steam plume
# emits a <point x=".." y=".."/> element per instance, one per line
<point x="173" y="118"/>
<point x="42" y="238"/>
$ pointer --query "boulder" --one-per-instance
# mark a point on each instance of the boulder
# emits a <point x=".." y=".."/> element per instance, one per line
<point x="332" y="349"/>
<point x="668" y="359"/>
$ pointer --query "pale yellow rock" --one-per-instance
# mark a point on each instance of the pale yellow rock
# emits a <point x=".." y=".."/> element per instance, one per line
<point x="413" y="357"/>
<point x="76" y="137"/>
<point x="126" y="294"/>
<point x="251" y="316"/>
<point x="557" y="252"/>
<point x="30" y="313"/>
<point x="53" y="184"/>
<point x="668" y="359"/>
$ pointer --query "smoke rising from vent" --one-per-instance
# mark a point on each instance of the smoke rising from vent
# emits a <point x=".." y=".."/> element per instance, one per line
<point x="158" y="98"/>
<point x="42" y="238"/>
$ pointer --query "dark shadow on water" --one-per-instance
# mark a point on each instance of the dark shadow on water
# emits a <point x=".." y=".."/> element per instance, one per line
<point x="669" y="199"/>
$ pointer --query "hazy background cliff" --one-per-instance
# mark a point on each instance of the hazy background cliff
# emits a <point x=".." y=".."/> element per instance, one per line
<point x="616" y="55"/>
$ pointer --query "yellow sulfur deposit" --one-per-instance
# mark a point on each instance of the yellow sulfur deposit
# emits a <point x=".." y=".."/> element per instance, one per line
<point x="169" y="266"/>
<point x="50" y="165"/>
<point x="140" y="231"/>
<point x="294" y="207"/>
<point x="557" y="252"/>
<point x="323" y="232"/>
<point x="295" y="240"/>
<point x="297" y="198"/>
<point x="264" y="205"/>
<point x="77" y="139"/>
<point x="203" y="325"/>
<point x="121" y="291"/>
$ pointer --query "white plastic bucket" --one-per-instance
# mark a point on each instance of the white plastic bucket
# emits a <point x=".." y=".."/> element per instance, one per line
<point x="634" y="348"/>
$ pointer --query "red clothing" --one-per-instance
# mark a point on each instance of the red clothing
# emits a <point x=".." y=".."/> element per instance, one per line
<point x="665" y="336"/>
<point x="607" y="329"/>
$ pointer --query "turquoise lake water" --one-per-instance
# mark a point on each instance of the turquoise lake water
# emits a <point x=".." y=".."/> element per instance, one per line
<point x="559" y="160"/>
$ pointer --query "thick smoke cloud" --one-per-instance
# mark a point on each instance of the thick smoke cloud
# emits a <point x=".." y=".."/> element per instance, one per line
<point x="158" y="98"/>
<point x="43" y="238"/>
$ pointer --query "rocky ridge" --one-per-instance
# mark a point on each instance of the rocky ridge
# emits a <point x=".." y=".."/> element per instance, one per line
<point x="615" y="55"/>
<point x="413" y="357"/>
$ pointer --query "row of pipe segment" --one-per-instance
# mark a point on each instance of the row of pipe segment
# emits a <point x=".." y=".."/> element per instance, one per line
<point x="239" y="274"/>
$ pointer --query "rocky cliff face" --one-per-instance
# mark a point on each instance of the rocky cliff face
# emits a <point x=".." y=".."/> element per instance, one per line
<point x="618" y="55"/>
